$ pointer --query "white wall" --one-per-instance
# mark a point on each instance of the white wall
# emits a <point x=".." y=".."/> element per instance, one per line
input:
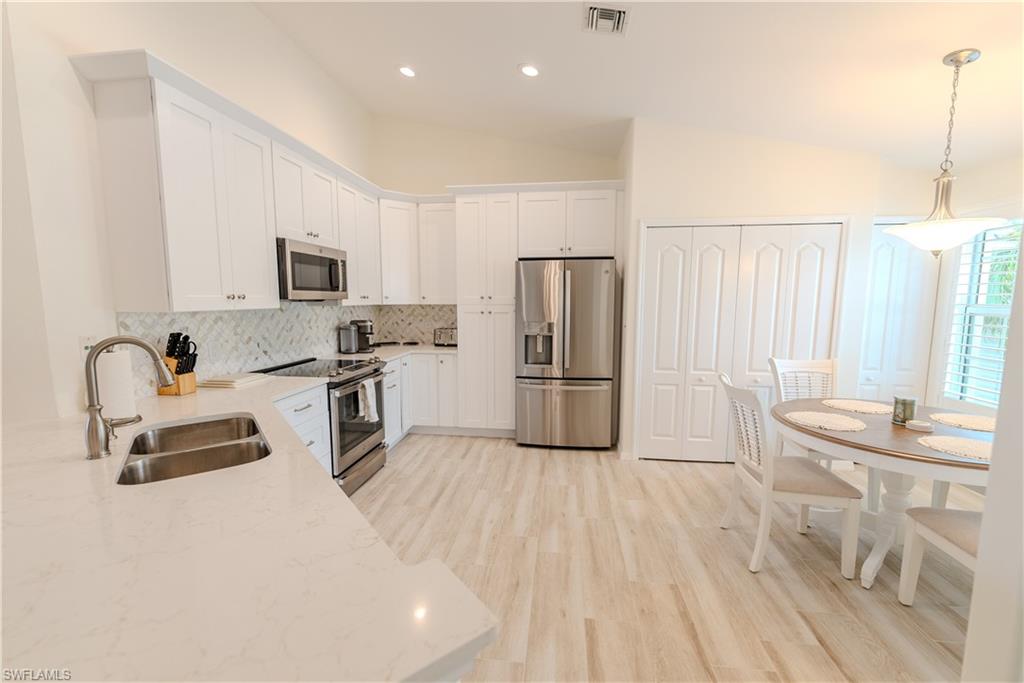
<point x="688" y="173"/>
<point x="231" y="47"/>
<point x="423" y="158"/>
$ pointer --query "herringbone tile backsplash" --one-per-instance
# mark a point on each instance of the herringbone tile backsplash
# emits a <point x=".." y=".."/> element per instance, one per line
<point x="239" y="341"/>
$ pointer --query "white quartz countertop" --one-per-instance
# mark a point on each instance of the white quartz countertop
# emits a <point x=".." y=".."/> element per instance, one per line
<point x="261" y="571"/>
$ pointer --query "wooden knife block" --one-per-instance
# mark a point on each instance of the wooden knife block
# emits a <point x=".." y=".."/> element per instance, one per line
<point x="183" y="384"/>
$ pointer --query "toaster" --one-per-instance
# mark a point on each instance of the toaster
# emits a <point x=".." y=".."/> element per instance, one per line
<point x="446" y="336"/>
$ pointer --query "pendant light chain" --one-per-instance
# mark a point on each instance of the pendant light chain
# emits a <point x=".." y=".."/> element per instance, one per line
<point x="946" y="163"/>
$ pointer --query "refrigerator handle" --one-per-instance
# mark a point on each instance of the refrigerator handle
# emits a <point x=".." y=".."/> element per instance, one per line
<point x="568" y="316"/>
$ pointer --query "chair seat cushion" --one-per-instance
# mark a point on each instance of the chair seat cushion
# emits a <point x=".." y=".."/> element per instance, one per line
<point x="803" y="475"/>
<point x="959" y="527"/>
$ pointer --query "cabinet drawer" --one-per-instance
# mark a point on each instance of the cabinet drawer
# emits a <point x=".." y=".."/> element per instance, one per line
<point x="316" y="436"/>
<point x="304" y="406"/>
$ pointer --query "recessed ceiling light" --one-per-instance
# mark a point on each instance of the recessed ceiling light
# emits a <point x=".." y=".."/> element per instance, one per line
<point x="529" y="70"/>
<point x="407" y="71"/>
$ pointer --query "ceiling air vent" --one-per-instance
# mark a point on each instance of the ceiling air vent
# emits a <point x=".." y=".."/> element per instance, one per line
<point x="604" y="19"/>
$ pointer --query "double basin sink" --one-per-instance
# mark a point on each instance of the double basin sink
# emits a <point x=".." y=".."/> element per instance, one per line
<point x="203" y="445"/>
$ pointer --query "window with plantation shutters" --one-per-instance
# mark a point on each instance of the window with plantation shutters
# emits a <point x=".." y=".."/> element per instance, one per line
<point x="981" y="316"/>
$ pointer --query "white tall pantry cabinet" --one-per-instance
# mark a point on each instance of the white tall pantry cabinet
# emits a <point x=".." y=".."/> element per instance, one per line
<point x="725" y="299"/>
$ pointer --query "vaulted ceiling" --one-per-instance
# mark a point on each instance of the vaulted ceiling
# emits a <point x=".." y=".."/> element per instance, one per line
<point x="864" y="76"/>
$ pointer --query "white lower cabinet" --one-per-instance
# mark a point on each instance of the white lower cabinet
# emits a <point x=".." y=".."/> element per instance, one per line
<point x="309" y="416"/>
<point x="447" y="390"/>
<point x="486" y="369"/>
<point x="393" y="403"/>
<point x="422" y="385"/>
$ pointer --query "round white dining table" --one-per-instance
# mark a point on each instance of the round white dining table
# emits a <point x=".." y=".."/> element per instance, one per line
<point x="896" y="453"/>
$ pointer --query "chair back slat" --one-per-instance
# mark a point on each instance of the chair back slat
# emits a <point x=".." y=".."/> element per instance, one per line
<point x="748" y="427"/>
<point x="803" y="378"/>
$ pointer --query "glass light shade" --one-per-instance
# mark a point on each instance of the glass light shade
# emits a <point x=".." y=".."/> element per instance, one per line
<point x="942" y="230"/>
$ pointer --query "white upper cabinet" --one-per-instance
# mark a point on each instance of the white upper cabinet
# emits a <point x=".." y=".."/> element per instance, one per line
<point x="471" y="249"/>
<point x="575" y="223"/>
<point x="249" y="189"/>
<point x="192" y="174"/>
<point x="486" y="229"/>
<point x="437" y="253"/>
<point x="590" y="223"/>
<point x="399" y="244"/>
<point x="305" y="199"/>
<point x="359" y="237"/>
<point x="500" y="253"/>
<point x="368" y="285"/>
<point x="542" y="222"/>
<point x="189" y="201"/>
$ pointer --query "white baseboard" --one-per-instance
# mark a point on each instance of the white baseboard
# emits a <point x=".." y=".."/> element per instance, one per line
<point x="463" y="431"/>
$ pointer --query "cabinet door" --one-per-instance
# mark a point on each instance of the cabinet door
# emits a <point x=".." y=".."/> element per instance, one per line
<point x="761" y="302"/>
<point x="437" y="253"/>
<point x="470" y="249"/>
<point x="714" y="268"/>
<point x="541" y="224"/>
<point x="348" y="233"/>
<point x="900" y="305"/>
<point x="250" y="208"/>
<point x="368" y="255"/>
<point x="665" y="314"/>
<point x="392" y="404"/>
<point x="501" y="236"/>
<point x="319" y="209"/>
<point x="473" y="367"/>
<point x="399" y="252"/>
<point x="195" y="220"/>
<point x="408" y="408"/>
<point x="447" y="390"/>
<point x="501" y="401"/>
<point x="288" y="199"/>
<point x="423" y="385"/>
<point x="590" y="223"/>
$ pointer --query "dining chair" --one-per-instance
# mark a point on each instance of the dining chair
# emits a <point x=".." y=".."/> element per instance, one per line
<point x="780" y="479"/>
<point x="954" y="532"/>
<point x="795" y="379"/>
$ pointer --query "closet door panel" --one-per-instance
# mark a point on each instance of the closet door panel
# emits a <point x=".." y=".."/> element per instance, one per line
<point x="814" y="265"/>
<point x="665" y="311"/>
<point x="710" y="339"/>
<point x="760" y="306"/>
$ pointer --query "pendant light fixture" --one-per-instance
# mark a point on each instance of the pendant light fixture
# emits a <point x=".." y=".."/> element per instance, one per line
<point x="942" y="230"/>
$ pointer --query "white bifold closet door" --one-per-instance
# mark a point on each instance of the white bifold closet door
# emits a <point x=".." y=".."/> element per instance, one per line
<point x="726" y="299"/>
<point x="689" y="298"/>
<point x="897" y="319"/>
<point x="786" y="300"/>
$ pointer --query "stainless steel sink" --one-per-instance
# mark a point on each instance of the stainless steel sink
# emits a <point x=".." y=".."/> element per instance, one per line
<point x="192" y="447"/>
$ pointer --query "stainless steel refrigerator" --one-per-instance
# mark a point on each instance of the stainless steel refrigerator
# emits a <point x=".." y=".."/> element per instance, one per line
<point x="567" y="339"/>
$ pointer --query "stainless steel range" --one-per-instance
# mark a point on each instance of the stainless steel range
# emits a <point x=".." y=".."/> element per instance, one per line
<point x="357" y="429"/>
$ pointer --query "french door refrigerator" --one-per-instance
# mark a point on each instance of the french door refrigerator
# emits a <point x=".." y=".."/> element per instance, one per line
<point x="567" y="352"/>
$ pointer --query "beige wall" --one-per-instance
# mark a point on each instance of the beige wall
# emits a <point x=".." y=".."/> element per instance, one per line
<point x="996" y="186"/>
<point x="681" y="172"/>
<point x="423" y="158"/>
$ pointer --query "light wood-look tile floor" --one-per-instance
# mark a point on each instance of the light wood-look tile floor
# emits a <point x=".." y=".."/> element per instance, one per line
<point x="604" y="569"/>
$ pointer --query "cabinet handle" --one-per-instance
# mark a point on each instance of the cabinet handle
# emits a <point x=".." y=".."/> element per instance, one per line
<point x="391" y="386"/>
<point x="481" y="297"/>
<point x="757" y="380"/>
<point x="490" y="297"/>
<point x="241" y="296"/>
<point x="231" y="297"/>
<point x="561" y="249"/>
<point x="441" y="362"/>
<point x="424" y="298"/>
<point x="488" y="312"/>
<point x="310" y="443"/>
<point x="570" y="248"/>
<point x="305" y="407"/>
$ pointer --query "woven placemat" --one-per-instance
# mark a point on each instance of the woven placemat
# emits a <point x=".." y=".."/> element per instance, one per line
<point x="979" y="423"/>
<point x="829" y="421"/>
<point x="958" y="445"/>
<point x="855" y="406"/>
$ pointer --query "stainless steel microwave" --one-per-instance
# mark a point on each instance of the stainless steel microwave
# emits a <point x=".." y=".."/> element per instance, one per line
<point x="309" y="272"/>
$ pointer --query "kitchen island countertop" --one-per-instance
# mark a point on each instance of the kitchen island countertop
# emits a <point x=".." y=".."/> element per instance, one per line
<point x="260" y="571"/>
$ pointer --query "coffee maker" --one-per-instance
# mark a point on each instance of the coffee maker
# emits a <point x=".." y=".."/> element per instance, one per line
<point x="364" y="330"/>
